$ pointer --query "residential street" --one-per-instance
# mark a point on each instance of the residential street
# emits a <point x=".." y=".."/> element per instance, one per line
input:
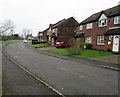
<point x="18" y="82"/>
<point x="69" y="77"/>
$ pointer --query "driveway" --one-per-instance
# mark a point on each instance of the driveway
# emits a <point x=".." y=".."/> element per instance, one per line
<point x="67" y="76"/>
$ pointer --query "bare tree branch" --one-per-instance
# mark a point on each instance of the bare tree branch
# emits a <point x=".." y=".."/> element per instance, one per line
<point x="6" y="26"/>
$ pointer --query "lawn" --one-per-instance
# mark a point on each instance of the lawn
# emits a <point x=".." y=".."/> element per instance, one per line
<point x="117" y="63"/>
<point x="85" y="53"/>
<point x="10" y="41"/>
<point x="41" y="45"/>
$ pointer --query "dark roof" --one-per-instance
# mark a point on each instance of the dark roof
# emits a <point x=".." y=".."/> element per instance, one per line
<point x="63" y="21"/>
<point x="113" y="32"/>
<point x="111" y="12"/>
<point x="58" y="23"/>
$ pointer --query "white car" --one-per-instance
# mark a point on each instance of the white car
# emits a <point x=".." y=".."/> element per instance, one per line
<point x="24" y="41"/>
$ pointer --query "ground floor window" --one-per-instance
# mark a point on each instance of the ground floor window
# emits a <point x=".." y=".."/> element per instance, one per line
<point x="49" y="38"/>
<point x="88" y="40"/>
<point x="100" y="40"/>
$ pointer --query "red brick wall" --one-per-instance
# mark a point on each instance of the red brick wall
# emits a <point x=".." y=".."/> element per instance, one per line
<point x="97" y="31"/>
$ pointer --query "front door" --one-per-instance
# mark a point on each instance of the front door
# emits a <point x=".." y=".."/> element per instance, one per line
<point x="116" y="43"/>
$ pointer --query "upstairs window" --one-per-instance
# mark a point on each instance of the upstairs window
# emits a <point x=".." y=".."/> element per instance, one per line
<point x="102" y="23"/>
<point x="117" y="20"/>
<point x="53" y="30"/>
<point x="89" y="26"/>
<point x="81" y="27"/>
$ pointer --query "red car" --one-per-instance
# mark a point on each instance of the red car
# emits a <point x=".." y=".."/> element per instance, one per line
<point x="62" y="45"/>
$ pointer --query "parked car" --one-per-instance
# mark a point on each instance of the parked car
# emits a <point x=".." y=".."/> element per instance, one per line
<point x="25" y="41"/>
<point x="62" y="44"/>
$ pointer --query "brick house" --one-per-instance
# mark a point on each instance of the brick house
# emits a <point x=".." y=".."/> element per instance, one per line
<point x="62" y="30"/>
<point x="102" y="30"/>
<point x="42" y="36"/>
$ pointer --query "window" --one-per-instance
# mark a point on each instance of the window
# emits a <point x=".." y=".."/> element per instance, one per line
<point x="100" y="40"/>
<point x="88" y="39"/>
<point x="41" y="34"/>
<point x="89" y="26"/>
<point x="102" y="23"/>
<point x="110" y="37"/>
<point x="49" y="38"/>
<point x="53" y="30"/>
<point x="117" y="20"/>
<point x="81" y="27"/>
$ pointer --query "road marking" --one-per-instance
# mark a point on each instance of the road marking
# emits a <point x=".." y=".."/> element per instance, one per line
<point x="39" y="79"/>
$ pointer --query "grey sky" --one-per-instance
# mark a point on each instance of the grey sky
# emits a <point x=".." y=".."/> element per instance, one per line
<point x="38" y="14"/>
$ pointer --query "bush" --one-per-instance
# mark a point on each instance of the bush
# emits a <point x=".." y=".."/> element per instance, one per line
<point x="74" y="51"/>
<point x="35" y="41"/>
<point x="41" y="45"/>
<point x="87" y="45"/>
<point x="76" y="46"/>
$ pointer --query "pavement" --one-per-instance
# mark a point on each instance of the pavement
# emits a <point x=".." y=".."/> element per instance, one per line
<point x="104" y="62"/>
<point x="108" y="59"/>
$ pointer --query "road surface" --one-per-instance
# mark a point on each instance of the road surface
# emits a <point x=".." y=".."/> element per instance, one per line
<point x="18" y="82"/>
<point x="69" y="77"/>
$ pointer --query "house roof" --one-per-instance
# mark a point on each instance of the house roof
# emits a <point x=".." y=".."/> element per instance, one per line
<point x="57" y="24"/>
<point x="61" y="22"/>
<point x="113" y="31"/>
<point x="111" y="12"/>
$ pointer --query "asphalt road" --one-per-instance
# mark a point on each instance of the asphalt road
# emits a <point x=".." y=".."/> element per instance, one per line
<point x="69" y="77"/>
<point x="18" y="82"/>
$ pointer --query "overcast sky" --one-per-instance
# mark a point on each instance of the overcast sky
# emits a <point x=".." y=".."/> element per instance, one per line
<point x="38" y="14"/>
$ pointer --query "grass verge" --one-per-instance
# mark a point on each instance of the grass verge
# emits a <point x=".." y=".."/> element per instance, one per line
<point x="10" y="41"/>
<point x="85" y="53"/>
<point x="41" y="45"/>
<point x="118" y="63"/>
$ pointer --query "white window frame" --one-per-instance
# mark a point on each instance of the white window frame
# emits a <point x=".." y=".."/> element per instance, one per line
<point x="41" y="34"/>
<point x="49" y="38"/>
<point x="101" y="23"/>
<point x="81" y="27"/>
<point x="110" y="37"/>
<point x="117" y="20"/>
<point x="53" y="30"/>
<point x="101" y="40"/>
<point x="89" y="26"/>
<point x="88" y="40"/>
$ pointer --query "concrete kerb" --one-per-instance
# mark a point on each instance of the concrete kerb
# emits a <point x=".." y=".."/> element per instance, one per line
<point x="107" y="67"/>
<point x="62" y="57"/>
<point x="30" y="73"/>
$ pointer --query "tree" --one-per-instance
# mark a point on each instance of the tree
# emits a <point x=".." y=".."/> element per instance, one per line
<point x="7" y="28"/>
<point x="26" y="33"/>
<point x="76" y="46"/>
<point x="7" y="25"/>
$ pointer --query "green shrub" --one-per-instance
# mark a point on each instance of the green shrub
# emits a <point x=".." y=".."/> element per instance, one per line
<point x="41" y="45"/>
<point x="76" y="46"/>
<point x="88" y="45"/>
<point x="35" y="41"/>
<point x="74" y="51"/>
